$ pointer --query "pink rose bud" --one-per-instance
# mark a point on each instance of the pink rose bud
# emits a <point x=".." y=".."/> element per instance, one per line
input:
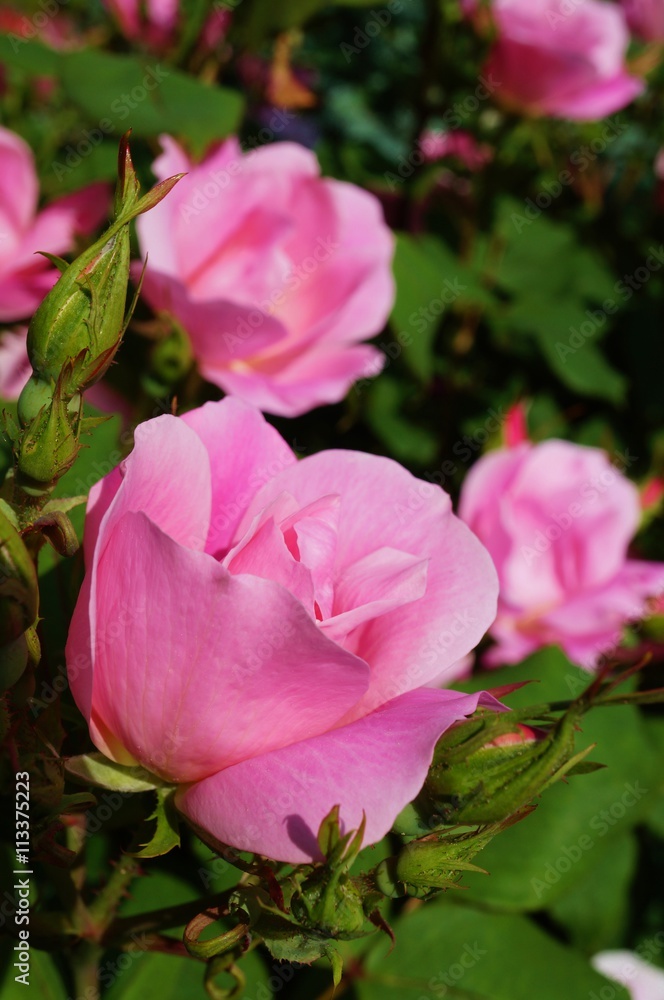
<point x="440" y="145"/>
<point x="652" y="493"/>
<point x="563" y="60"/>
<point x="516" y="425"/>
<point x="557" y="519"/>
<point x="276" y="274"/>
<point x="259" y="631"/>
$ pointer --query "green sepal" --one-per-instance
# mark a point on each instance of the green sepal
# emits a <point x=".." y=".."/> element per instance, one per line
<point x="59" y="262"/>
<point x="166" y="834"/>
<point x="97" y="769"/>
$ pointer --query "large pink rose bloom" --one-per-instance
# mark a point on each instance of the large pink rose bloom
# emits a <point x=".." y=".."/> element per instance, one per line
<point x="557" y="519"/>
<point x="276" y="274"/>
<point x="565" y="60"/>
<point x="642" y="980"/>
<point x="26" y="276"/>
<point x="259" y="630"/>
<point x="645" y="18"/>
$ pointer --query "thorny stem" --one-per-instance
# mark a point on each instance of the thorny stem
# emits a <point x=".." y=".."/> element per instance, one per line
<point x="170" y="916"/>
<point x="102" y="910"/>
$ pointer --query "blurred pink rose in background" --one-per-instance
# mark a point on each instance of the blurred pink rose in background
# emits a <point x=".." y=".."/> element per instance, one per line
<point x="156" y="23"/>
<point x="153" y="22"/>
<point x="260" y="630"/>
<point x="26" y="276"/>
<point x="436" y="144"/>
<point x="561" y="59"/>
<point x="557" y="519"/>
<point x="642" y="980"/>
<point x="645" y="18"/>
<point x="276" y="274"/>
<point x="15" y="370"/>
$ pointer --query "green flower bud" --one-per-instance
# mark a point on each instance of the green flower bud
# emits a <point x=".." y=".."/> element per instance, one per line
<point x="434" y="862"/>
<point x="81" y="321"/>
<point x="19" y="593"/>
<point x="486" y="783"/>
<point x="49" y="445"/>
<point x="36" y="393"/>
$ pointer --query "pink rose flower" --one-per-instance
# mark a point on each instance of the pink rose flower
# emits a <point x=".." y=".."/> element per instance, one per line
<point x="557" y="519"/>
<point x="436" y="144"/>
<point x="564" y="60"/>
<point x="153" y="22"/>
<point x="642" y="980"/>
<point x="26" y="276"/>
<point x="259" y="630"/>
<point x="15" y="367"/>
<point x="157" y="24"/>
<point x="276" y="274"/>
<point x="645" y="18"/>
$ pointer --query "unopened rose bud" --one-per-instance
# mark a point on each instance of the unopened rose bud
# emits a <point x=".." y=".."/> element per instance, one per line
<point x="489" y="782"/>
<point x="433" y="862"/>
<point x="49" y="445"/>
<point x="82" y="319"/>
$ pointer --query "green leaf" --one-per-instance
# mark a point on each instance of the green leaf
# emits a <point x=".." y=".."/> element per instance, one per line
<point x="405" y="439"/>
<point x="136" y="975"/>
<point x="166" y="835"/>
<point x="595" y="911"/>
<point x="574" y="358"/>
<point x="537" y="861"/>
<point x="430" y="280"/>
<point x="451" y="950"/>
<point x="31" y="57"/>
<point x="44" y="979"/>
<point x="99" y="770"/>
<point x="139" y="975"/>
<point x="556" y="285"/>
<point x="148" y="96"/>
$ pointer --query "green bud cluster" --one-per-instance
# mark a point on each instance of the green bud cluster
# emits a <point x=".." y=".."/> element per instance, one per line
<point x="73" y="338"/>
